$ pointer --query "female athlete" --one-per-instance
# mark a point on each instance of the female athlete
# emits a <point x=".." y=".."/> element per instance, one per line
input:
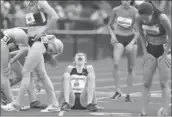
<point x="155" y="31"/>
<point x="78" y="86"/>
<point x="12" y="72"/>
<point x="40" y="17"/>
<point x="123" y="40"/>
<point x="35" y="62"/>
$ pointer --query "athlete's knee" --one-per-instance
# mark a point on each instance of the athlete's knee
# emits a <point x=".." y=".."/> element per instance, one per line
<point x="116" y="65"/>
<point x="48" y="85"/>
<point x="130" y="69"/>
<point x="42" y="75"/>
<point x="66" y="76"/>
<point x="25" y="73"/>
<point x="147" y="85"/>
<point x="91" y="77"/>
<point x="15" y="81"/>
<point x="164" y="84"/>
<point x="51" y="88"/>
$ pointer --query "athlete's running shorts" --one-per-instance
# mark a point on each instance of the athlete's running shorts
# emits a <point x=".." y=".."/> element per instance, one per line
<point x="155" y="50"/>
<point x="77" y="104"/>
<point x="125" y="40"/>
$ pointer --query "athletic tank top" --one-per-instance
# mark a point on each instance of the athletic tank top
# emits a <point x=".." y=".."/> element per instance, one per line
<point x="154" y="28"/>
<point x="8" y="36"/>
<point x="36" y="18"/>
<point x="124" y="20"/>
<point x="15" y="35"/>
<point x="5" y="37"/>
<point x="34" y="15"/>
<point x="78" y="80"/>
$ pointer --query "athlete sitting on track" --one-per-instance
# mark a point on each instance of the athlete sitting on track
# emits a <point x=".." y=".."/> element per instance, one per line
<point x="158" y="32"/>
<point x="78" y="86"/>
<point x="123" y="40"/>
<point x="11" y="69"/>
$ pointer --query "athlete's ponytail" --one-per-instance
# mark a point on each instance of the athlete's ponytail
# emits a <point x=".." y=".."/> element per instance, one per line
<point x="150" y="1"/>
<point x="1" y="34"/>
<point x="50" y="59"/>
<point x="33" y="2"/>
<point x="132" y="3"/>
<point x="157" y="11"/>
<point x="145" y="8"/>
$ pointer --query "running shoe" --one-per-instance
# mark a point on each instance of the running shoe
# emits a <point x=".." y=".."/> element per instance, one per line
<point x="14" y="107"/>
<point x="51" y="108"/>
<point x="38" y="105"/>
<point x="141" y="114"/>
<point x="10" y="107"/>
<point x="128" y="98"/>
<point x="3" y="98"/>
<point x="116" y="95"/>
<point x="66" y="106"/>
<point x="94" y="107"/>
<point x="161" y="112"/>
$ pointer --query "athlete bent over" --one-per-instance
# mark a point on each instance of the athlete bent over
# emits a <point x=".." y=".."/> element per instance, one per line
<point x="13" y="71"/>
<point x="157" y="28"/>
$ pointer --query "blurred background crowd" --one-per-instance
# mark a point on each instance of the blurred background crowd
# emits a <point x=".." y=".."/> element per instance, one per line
<point x="91" y="12"/>
<point x="74" y="14"/>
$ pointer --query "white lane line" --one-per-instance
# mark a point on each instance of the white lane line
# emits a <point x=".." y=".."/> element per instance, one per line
<point x="54" y="74"/>
<point x="136" y="84"/>
<point x="97" y="80"/>
<point x="107" y="95"/>
<point x="154" y="94"/>
<point x="104" y="101"/>
<point x="110" y="114"/>
<point x="98" y="88"/>
<point x="101" y="98"/>
<point x="61" y="113"/>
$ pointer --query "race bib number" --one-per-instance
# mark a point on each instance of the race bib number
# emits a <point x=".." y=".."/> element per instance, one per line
<point x="151" y="29"/>
<point x="124" y="22"/>
<point x="44" y="39"/>
<point x="6" y="39"/>
<point x="78" y="83"/>
<point x="30" y="18"/>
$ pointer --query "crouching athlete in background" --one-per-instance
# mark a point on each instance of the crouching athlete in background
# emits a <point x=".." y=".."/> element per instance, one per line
<point x="78" y="86"/>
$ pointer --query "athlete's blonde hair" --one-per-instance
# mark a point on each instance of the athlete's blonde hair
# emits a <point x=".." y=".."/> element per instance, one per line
<point x="57" y="44"/>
